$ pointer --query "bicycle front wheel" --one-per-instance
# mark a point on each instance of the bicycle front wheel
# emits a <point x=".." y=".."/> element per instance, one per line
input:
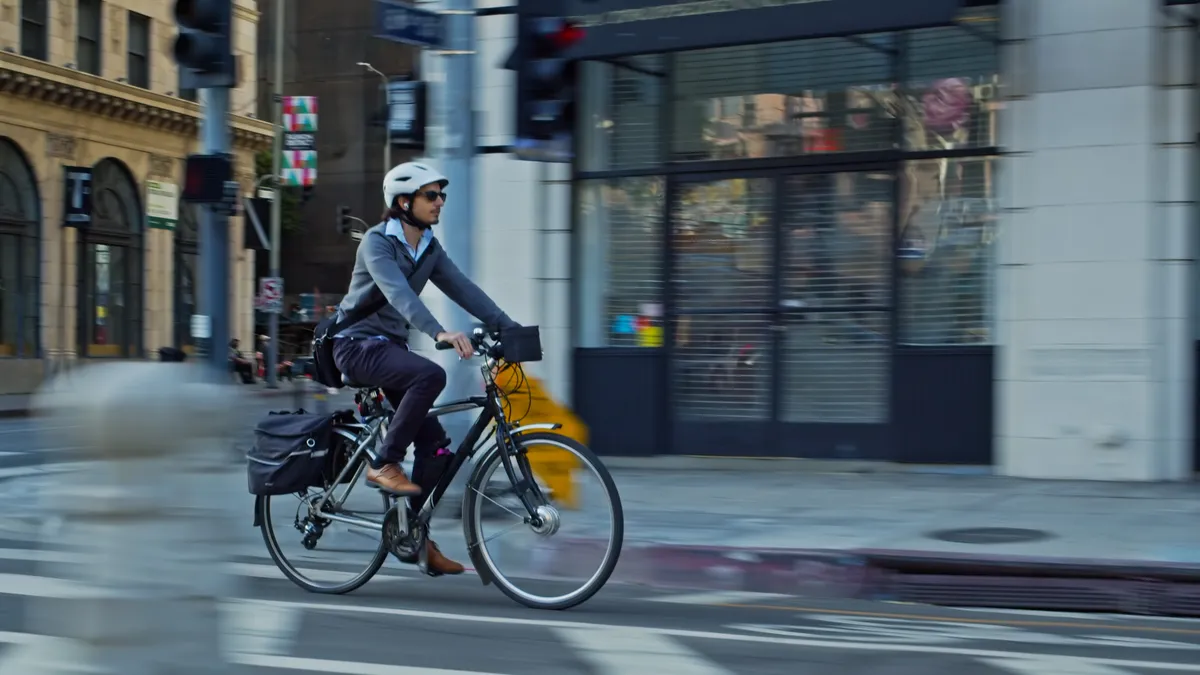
<point x="560" y="542"/>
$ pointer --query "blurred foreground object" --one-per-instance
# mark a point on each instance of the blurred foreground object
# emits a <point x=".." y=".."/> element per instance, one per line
<point x="529" y="402"/>
<point x="147" y="518"/>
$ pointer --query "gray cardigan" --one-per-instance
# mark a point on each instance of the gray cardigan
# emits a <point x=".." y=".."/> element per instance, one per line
<point x="384" y="261"/>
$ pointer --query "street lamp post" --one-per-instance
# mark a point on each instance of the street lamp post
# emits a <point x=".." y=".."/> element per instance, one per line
<point x="387" y="122"/>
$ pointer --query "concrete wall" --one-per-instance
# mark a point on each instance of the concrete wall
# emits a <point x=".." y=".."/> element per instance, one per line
<point x="1095" y="293"/>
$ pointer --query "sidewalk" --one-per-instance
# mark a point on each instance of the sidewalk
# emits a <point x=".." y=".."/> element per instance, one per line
<point x="909" y="536"/>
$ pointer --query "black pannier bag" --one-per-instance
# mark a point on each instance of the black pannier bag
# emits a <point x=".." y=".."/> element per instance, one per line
<point x="291" y="453"/>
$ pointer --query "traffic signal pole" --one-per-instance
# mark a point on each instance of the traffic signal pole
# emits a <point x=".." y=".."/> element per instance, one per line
<point x="214" y="234"/>
<point x="454" y="153"/>
<point x="277" y="195"/>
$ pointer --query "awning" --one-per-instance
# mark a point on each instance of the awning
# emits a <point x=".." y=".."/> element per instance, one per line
<point x="617" y="28"/>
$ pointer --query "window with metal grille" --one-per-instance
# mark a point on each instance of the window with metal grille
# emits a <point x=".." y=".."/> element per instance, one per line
<point x="948" y="205"/>
<point x="620" y="278"/>
<point x="138" y="50"/>
<point x="34" y="19"/>
<point x="87" y="40"/>
<point x="620" y="118"/>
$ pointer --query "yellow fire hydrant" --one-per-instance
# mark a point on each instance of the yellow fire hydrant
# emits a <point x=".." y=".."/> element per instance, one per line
<point x="529" y="402"/>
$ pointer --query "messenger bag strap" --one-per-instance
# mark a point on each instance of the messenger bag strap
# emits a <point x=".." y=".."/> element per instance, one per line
<point x="377" y="299"/>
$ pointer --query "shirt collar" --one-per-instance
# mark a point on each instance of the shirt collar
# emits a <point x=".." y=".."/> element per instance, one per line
<point x="395" y="228"/>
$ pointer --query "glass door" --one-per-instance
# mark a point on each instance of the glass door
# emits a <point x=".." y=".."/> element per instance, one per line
<point x="722" y="295"/>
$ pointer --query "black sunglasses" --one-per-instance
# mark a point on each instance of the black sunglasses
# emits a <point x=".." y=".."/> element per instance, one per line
<point x="432" y="195"/>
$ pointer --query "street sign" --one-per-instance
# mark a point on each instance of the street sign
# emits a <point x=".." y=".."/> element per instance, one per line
<point x="77" y="204"/>
<point x="270" y="295"/>
<point x="400" y="22"/>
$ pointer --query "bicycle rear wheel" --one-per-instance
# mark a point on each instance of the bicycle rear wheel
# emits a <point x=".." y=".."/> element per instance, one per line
<point x="319" y="554"/>
<point x="486" y="555"/>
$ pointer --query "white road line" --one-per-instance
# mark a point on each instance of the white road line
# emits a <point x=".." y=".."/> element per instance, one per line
<point x="1043" y="614"/>
<point x="30" y="585"/>
<point x="846" y="645"/>
<point x="620" y="651"/>
<point x="262" y="571"/>
<point x="718" y="597"/>
<point x="249" y="628"/>
<point x="344" y="667"/>
<point x="1057" y="665"/>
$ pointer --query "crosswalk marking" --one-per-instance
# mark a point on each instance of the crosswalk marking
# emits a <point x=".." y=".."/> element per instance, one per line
<point x="252" y="628"/>
<point x="718" y="597"/>
<point x="344" y="667"/>
<point x="620" y="651"/>
<point x="1054" y="664"/>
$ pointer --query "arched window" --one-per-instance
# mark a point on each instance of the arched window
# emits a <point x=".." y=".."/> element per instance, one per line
<point x="187" y="264"/>
<point x="20" y="230"/>
<point x="110" y="266"/>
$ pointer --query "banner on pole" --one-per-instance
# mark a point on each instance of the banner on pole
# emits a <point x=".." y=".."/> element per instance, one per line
<point x="299" y="141"/>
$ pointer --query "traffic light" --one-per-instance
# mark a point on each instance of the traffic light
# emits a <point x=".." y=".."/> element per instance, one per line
<point x="343" y="219"/>
<point x="545" y="77"/>
<point x="205" y="178"/>
<point x="204" y="46"/>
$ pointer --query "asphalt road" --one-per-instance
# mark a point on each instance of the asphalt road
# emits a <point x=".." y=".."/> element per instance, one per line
<point x="405" y="624"/>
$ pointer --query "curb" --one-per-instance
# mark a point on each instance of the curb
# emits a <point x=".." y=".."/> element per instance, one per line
<point x="992" y="581"/>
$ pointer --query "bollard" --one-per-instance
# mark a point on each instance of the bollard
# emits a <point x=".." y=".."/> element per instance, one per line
<point x="148" y="520"/>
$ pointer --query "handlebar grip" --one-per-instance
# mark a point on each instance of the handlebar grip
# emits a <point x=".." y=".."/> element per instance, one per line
<point x="443" y="346"/>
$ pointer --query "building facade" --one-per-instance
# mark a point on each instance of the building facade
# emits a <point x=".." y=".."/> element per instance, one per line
<point x="941" y="231"/>
<point x="324" y="43"/>
<point x="92" y="83"/>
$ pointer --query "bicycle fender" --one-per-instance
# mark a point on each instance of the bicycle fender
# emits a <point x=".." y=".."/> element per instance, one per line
<point x="473" y="549"/>
<point x="257" y="511"/>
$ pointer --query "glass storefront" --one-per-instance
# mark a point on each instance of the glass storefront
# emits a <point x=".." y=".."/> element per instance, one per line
<point x="783" y="217"/>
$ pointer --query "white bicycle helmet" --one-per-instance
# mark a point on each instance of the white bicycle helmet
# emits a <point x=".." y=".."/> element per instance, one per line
<point x="407" y="178"/>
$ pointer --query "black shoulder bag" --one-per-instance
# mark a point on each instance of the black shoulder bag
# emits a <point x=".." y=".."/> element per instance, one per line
<point x="325" y="371"/>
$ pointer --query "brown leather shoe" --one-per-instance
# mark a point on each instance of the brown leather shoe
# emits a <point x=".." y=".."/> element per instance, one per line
<point x="438" y="562"/>
<point x="392" y="478"/>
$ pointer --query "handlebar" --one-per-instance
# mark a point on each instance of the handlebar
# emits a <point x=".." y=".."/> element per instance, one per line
<point x="484" y="342"/>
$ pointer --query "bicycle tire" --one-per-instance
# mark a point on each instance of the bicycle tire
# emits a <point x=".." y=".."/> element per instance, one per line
<point x="472" y="525"/>
<point x="262" y="507"/>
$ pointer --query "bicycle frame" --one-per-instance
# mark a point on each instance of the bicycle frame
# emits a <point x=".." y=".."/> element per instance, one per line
<point x="491" y="410"/>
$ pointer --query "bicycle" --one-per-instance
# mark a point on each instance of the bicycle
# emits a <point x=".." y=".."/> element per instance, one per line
<point x="402" y="532"/>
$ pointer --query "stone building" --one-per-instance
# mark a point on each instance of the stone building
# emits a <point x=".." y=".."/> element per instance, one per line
<point x="92" y="83"/>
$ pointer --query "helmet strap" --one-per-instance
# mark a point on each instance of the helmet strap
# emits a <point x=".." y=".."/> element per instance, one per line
<point x="407" y="217"/>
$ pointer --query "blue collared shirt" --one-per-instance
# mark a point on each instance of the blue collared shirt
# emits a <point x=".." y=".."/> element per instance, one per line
<point x="395" y="228"/>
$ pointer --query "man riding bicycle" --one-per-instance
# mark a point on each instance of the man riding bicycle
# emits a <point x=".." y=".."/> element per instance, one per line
<point x="400" y="255"/>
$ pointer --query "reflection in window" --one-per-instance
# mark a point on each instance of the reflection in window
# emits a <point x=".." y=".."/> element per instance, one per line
<point x="836" y="297"/>
<point x="87" y="39"/>
<point x="946" y="249"/>
<point x="620" y="283"/>
<point x="620" y="119"/>
<point x="19" y="255"/>
<point x="837" y="95"/>
<point x="34" y="19"/>
<point x="106" y="300"/>
<point x="110" y="256"/>
<point x="723" y="239"/>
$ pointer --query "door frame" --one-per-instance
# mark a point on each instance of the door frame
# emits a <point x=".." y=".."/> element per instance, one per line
<point x="773" y="437"/>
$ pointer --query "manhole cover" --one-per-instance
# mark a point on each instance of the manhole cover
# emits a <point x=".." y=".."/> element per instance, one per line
<point x="990" y="535"/>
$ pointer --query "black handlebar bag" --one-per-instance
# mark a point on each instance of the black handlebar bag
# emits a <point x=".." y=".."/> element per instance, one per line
<point x="325" y="371"/>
